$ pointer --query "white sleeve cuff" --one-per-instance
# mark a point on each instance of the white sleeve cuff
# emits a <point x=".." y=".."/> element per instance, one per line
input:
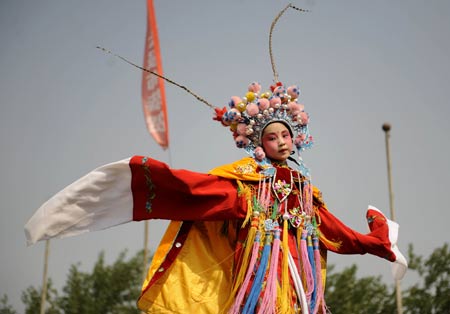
<point x="99" y="200"/>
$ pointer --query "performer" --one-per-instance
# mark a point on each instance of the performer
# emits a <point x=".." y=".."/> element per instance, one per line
<point x="248" y="237"/>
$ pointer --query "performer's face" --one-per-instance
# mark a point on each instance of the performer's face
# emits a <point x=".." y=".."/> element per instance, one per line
<point x="277" y="141"/>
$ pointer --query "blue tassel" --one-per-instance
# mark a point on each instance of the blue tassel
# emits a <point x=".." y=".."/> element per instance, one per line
<point x="313" y="267"/>
<point x="255" y="291"/>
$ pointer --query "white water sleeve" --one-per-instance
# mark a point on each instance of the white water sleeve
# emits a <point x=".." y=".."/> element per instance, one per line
<point x="99" y="200"/>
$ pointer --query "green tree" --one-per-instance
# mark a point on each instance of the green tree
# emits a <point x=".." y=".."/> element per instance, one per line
<point x="347" y="294"/>
<point x="108" y="289"/>
<point x="5" y="307"/>
<point x="432" y="293"/>
<point x="114" y="289"/>
<point x="31" y="297"/>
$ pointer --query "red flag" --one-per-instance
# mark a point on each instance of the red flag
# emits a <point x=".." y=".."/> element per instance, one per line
<point x="153" y="93"/>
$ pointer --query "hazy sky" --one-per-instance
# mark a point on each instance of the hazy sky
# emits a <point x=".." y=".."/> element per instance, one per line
<point x="67" y="108"/>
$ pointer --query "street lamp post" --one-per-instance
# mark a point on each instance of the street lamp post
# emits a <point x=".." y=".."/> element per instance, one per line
<point x="386" y="128"/>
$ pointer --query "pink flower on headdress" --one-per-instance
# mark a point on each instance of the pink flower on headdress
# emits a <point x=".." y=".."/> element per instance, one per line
<point x="219" y="113"/>
<point x="235" y="100"/>
<point x="279" y="91"/>
<point x="241" y="141"/>
<point x="241" y="129"/>
<point x="299" y="139"/>
<point x="259" y="153"/>
<point x="234" y="115"/>
<point x="263" y="104"/>
<point x="304" y="118"/>
<point x="275" y="102"/>
<point x="294" y="108"/>
<point x="226" y="119"/>
<point x="254" y="87"/>
<point x="273" y="87"/>
<point x="293" y="91"/>
<point x="252" y="110"/>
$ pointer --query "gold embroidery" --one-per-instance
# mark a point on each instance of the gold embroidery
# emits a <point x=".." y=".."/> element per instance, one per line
<point x="244" y="169"/>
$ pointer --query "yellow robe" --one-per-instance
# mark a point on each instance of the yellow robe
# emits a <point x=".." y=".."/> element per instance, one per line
<point x="198" y="280"/>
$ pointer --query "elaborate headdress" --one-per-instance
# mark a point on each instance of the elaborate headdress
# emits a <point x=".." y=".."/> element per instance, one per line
<point x="247" y="117"/>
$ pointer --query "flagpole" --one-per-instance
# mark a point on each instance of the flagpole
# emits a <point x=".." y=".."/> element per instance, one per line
<point x="386" y="128"/>
<point x="153" y="99"/>
<point x="144" y="271"/>
<point x="44" y="277"/>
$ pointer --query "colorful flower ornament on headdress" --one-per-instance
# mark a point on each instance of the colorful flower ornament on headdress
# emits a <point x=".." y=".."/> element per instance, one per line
<point x="247" y="117"/>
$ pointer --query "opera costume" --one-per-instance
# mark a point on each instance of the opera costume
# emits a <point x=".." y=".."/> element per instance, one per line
<point x="248" y="237"/>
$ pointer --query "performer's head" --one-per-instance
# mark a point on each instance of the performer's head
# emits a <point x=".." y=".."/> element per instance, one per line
<point x="277" y="142"/>
<point x="250" y="118"/>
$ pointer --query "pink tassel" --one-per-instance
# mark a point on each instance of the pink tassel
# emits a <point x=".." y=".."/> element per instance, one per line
<point x="235" y="308"/>
<point x="265" y="195"/>
<point x="262" y="197"/>
<point x="268" y="303"/>
<point x="307" y="270"/>
<point x="263" y="190"/>
<point x="320" y="299"/>
<point x="268" y="193"/>
<point x="307" y="199"/>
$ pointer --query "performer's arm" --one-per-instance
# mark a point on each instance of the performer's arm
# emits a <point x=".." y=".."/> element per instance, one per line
<point x="131" y="189"/>
<point x="381" y="241"/>
<point x="377" y="242"/>
<point x="163" y="193"/>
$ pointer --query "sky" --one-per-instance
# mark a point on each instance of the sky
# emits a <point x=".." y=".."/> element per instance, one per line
<point x="67" y="108"/>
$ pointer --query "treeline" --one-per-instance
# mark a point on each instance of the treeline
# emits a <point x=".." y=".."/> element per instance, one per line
<point x="114" y="289"/>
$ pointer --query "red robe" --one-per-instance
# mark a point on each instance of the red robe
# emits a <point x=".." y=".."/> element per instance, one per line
<point x="195" y="265"/>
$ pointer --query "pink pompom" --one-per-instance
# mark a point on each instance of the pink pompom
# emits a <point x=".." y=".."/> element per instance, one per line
<point x="252" y="110"/>
<point x="263" y="104"/>
<point x="234" y="115"/>
<point x="225" y="121"/>
<point x="259" y="153"/>
<point x="235" y="100"/>
<point x="304" y="118"/>
<point x="299" y="139"/>
<point x="241" y="129"/>
<point x="227" y="118"/>
<point x="241" y="141"/>
<point x="275" y="102"/>
<point x="293" y="91"/>
<point x="279" y="91"/>
<point x="294" y="108"/>
<point x="254" y="87"/>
